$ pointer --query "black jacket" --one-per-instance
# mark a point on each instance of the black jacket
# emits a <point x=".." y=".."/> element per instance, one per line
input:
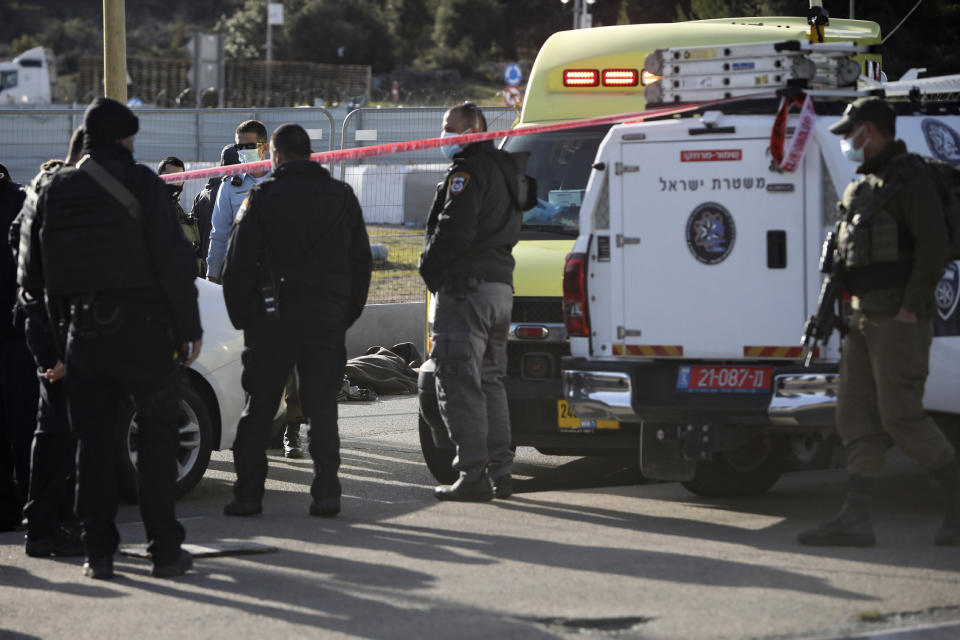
<point x="307" y="229"/>
<point x="11" y="199"/>
<point x="170" y="260"/>
<point x="203" y="212"/>
<point x="475" y="219"/>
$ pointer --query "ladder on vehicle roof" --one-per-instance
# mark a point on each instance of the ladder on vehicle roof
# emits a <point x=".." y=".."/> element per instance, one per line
<point x="696" y="74"/>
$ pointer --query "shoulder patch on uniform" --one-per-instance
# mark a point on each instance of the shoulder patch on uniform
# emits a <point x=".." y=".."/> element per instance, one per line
<point x="459" y="182"/>
<point x="242" y="211"/>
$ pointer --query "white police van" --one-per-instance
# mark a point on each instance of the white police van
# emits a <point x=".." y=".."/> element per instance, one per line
<point x="695" y="269"/>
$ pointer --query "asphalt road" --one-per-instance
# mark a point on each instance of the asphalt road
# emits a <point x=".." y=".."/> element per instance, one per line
<point x="581" y="551"/>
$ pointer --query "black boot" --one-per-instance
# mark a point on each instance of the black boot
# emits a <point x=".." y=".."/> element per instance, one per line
<point x="948" y="477"/>
<point x="464" y="490"/>
<point x="852" y="527"/>
<point x="291" y="442"/>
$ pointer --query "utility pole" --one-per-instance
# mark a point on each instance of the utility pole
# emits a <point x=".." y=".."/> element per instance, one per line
<point x="274" y="16"/>
<point x="581" y="15"/>
<point x="852" y="13"/>
<point x="115" y="50"/>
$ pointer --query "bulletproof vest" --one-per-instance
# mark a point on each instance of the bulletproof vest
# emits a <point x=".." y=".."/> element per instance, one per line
<point x="878" y="241"/>
<point x="89" y="240"/>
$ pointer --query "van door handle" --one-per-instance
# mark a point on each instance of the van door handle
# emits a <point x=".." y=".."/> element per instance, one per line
<point x="621" y="240"/>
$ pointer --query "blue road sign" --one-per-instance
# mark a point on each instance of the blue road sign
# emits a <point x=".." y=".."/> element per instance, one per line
<point x="512" y="74"/>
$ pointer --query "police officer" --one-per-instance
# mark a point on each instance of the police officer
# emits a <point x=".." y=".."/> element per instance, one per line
<point x="204" y="201"/>
<point x="101" y="242"/>
<point x="188" y="223"/>
<point x="467" y="262"/>
<point x="18" y="382"/>
<point x="251" y="146"/>
<point x="893" y="247"/>
<point x="295" y="278"/>
<point x="51" y="524"/>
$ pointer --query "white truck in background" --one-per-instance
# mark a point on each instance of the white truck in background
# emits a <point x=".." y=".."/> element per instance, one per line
<point x="30" y="78"/>
<point x="695" y="268"/>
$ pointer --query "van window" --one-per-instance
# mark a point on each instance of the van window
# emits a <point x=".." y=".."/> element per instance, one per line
<point x="560" y="161"/>
<point x="8" y="79"/>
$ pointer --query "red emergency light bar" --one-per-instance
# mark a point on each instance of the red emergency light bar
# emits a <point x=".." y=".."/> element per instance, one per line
<point x="620" y="77"/>
<point x="581" y="78"/>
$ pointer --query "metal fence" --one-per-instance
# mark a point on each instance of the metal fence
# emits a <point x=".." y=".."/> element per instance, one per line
<point x="395" y="191"/>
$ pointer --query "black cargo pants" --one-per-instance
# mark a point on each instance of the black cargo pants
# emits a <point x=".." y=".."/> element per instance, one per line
<point x="305" y="336"/>
<point x="104" y="370"/>
<point x="18" y="419"/>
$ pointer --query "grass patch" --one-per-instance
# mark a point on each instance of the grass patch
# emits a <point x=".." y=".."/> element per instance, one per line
<point x="396" y="279"/>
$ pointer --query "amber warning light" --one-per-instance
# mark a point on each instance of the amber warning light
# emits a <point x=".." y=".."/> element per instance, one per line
<point x="647" y="78"/>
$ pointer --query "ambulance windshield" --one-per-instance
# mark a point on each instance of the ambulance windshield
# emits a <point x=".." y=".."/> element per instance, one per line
<point x="560" y="161"/>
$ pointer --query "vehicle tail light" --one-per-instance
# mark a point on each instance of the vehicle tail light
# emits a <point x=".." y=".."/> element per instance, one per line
<point x="648" y="78"/>
<point x="575" y="296"/>
<point x="581" y="78"/>
<point x="620" y="77"/>
<point x="532" y="332"/>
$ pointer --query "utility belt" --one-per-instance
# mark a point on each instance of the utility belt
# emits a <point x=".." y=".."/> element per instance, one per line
<point x="885" y="275"/>
<point x="93" y="315"/>
<point x="460" y="287"/>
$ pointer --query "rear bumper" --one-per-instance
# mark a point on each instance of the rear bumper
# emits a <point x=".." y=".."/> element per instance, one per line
<point x="645" y="391"/>
<point x="533" y="418"/>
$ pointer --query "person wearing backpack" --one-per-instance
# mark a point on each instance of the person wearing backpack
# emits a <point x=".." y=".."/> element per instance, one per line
<point x="893" y="247"/>
<point x="100" y="244"/>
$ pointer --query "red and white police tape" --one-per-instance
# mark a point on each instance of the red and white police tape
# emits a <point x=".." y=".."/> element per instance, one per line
<point x="431" y="143"/>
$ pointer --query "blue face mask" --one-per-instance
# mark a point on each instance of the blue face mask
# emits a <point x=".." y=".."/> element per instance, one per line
<point x="451" y="150"/>
<point x="249" y="155"/>
<point x="848" y="150"/>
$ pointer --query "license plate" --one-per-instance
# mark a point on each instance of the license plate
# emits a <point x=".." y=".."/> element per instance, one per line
<point x="723" y="379"/>
<point x="567" y="420"/>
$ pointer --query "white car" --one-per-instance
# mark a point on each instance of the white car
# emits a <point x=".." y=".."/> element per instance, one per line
<point x="212" y="400"/>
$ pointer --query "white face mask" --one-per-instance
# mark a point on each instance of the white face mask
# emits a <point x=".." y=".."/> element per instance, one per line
<point x="852" y="154"/>
<point x="451" y="150"/>
<point x="249" y="155"/>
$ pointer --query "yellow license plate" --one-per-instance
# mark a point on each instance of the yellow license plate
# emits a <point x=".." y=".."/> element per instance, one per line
<point x="567" y="420"/>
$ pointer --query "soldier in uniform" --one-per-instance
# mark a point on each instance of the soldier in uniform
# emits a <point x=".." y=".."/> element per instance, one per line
<point x="295" y="278"/>
<point x="893" y="247"/>
<point x="467" y="262"/>
<point x="101" y="244"/>
<point x="188" y="223"/>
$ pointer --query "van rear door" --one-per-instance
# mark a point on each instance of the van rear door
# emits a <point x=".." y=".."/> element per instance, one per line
<point x="711" y="244"/>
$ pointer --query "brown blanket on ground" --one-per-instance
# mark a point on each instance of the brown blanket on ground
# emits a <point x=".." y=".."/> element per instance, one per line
<point x="386" y="370"/>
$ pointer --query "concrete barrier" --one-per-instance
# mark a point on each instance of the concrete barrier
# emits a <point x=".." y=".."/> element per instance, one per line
<point x="386" y="325"/>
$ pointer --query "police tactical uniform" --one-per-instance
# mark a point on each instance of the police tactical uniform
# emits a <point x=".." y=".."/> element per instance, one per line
<point x="118" y="279"/>
<point x="51" y="523"/>
<point x="467" y="262"/>
<point x="204" y="201"/>
<point x="298" y="238"/>
<point x="892" y="245"/>
<point x="18" y="383"/>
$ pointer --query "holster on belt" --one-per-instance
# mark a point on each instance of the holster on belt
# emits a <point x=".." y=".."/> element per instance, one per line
<point x="459" y="287"/>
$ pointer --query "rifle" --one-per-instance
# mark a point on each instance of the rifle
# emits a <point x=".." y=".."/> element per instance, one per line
<point x="819" y="327"/>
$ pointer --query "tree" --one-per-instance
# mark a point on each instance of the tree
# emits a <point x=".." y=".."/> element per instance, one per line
<point x="339" y="32"/>
<point x="410" y="23"/>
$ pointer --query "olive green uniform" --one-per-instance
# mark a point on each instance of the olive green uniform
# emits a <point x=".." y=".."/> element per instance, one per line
<point x="894" y="261"/>
<point x="191" y="229"/>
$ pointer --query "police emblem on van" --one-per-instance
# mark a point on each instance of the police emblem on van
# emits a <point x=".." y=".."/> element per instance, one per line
<point x="710" y="233"/>
<point x="946" y="294"/>
<point x="943" y="141"/>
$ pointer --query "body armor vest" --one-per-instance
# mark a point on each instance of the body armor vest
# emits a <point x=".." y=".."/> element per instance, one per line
<point x="90" y="241"/>
<point x="877" y="241"/>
